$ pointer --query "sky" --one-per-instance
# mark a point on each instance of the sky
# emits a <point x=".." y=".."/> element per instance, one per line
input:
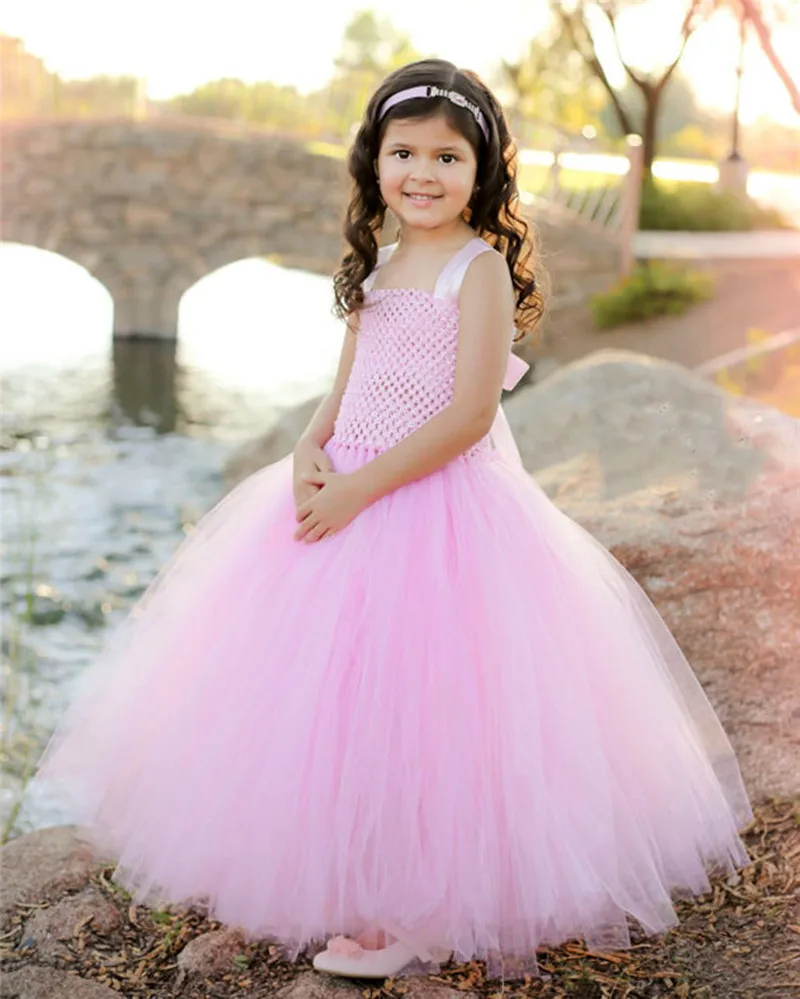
<point x="177" y="44"/>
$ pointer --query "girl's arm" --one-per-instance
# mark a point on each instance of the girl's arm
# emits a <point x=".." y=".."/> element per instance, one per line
<point x="308" y="457"/>
<point x="486" y="309"/>
<point x="320" y="427"/>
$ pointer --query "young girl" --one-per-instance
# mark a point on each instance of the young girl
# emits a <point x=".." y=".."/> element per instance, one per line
<point x="387" y="695"/>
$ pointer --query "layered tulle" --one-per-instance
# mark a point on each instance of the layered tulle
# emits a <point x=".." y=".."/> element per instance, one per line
<point x="459" y="719"/>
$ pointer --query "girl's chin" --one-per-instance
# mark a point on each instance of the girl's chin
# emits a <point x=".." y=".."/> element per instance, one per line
<point x="428" y="217"/>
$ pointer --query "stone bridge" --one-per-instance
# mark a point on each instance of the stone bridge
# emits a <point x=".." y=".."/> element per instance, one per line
<point x="149" y="208"/>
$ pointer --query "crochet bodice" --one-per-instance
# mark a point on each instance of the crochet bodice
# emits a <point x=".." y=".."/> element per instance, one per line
<point x="403" y="372"/>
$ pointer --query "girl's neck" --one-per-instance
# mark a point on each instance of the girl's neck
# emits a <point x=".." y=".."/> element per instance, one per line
<point x="442" y="238"/>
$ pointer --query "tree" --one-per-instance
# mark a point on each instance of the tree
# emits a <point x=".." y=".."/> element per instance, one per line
<point x="371" y="48"/>
<point x="578" y="19"/>
<point x="373" y="45"/>
<point x="552" y="82"/>
<point x="679" y="110"/>
<point x="759" y="16"/>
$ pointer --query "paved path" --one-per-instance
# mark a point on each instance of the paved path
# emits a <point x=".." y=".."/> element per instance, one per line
<point x="754" y="294"/>
<point x="764" y="244"/>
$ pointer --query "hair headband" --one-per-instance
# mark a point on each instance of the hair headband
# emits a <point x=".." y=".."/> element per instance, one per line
<point x="431" y="91"/>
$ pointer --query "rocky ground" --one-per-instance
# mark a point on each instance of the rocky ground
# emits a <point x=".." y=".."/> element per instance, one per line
<point x="698" y="494"/>
<point x="82" y="939"/>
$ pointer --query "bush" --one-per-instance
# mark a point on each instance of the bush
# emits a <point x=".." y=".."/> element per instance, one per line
<point x="654" y="289"/>
<point x="701" y="208"/>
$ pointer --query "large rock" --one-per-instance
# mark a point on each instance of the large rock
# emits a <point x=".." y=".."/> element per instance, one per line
<point x="47" y="927"/>
<point x="41" y="866"/>
<point x="697" y="493"/>
<point x="616" y="423"/>
<point x="276" y="443"/>
<point x="313" y="985"/>
<point x="211" y="953"/>
<point x="35" y="982"/>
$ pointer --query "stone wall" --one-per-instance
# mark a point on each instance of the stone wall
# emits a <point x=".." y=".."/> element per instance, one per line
<point x="149" y="208"/>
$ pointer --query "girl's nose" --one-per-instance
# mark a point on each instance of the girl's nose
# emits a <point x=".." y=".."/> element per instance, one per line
<point x="422" y="169"/>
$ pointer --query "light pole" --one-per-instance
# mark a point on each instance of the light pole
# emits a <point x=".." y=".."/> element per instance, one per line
<point x="733" y="169"/>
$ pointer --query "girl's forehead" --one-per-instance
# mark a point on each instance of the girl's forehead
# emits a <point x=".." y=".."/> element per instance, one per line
<point x="432" y="131"/>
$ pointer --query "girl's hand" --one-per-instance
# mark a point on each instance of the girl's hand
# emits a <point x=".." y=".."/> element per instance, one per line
<point x="308" y="459"/>
<point x="337" y="502"/>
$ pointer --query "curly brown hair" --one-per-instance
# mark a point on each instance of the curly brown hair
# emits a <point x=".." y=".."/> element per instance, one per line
<point x="494" y="211"/>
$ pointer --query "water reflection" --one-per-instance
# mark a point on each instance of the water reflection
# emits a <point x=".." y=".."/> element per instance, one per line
<point x="252" y="338"/>
<point x="144" y="383"/>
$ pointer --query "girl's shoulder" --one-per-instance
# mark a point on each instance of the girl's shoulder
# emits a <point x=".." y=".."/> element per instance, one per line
<point x="384" y="253"/>
<point x="492" y="260"/>
<point x="482" y="265"/>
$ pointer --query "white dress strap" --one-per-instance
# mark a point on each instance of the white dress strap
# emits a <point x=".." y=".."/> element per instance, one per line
<point x="448" y="284"/>
<point x="384" y="252"/>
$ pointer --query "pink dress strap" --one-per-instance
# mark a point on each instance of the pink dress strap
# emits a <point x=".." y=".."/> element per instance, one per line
<point x="384" y="252"/>
<point x="449" y="282"/>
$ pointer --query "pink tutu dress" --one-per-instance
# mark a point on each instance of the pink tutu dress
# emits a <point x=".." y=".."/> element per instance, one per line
<point x="459" y="719"/>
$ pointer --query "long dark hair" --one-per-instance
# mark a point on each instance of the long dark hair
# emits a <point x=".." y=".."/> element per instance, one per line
<point x="494" y="211"/>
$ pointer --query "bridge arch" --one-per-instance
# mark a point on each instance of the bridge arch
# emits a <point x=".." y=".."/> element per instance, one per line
<point x="149" y="208"/>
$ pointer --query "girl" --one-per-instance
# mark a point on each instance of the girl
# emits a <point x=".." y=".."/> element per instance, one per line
<point x="387" y="693"/>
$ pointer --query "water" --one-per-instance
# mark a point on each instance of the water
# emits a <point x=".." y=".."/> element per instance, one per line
<point x="110" y="453"/>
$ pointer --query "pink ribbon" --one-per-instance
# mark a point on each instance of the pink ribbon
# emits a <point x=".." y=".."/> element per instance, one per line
<point x="515" y="369"/>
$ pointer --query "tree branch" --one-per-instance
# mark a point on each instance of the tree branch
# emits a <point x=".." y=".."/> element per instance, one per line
<point x="687" y="28"/>
<point x="572" y="23"/>
<point x="642" y="82"/>
<point x="611" y="17"/>
<point x="753" y="12"/>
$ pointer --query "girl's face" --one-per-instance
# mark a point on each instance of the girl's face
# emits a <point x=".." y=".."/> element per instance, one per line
<point x="426" y="171"/>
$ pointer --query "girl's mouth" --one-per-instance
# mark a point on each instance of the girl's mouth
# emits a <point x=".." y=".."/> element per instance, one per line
<point x="422" y="200"/>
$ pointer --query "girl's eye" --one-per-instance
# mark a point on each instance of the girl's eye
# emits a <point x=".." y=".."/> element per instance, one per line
<point x="402" y="153"/>
<point x="448" y="158"/>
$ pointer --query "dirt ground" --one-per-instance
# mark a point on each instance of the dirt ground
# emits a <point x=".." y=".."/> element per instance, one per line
<point x="741" y="940"/>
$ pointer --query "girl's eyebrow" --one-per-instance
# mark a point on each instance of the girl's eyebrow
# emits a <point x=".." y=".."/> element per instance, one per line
<point x="399" y="144"/>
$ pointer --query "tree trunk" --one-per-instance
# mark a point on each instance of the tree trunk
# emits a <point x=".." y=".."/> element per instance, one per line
<point x="652" y="104"/>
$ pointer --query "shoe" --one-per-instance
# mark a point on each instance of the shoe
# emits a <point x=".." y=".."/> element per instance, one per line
<point x="347" y="958"/>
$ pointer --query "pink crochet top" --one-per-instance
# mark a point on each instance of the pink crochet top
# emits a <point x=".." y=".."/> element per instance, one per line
<point x="404" y="367"/>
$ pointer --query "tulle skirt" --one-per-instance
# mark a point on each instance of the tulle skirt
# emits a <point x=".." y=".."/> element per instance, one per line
<point x="459" y="720"/>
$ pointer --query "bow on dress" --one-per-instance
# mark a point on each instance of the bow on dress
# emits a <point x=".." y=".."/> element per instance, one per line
<point x="515" y="369"/>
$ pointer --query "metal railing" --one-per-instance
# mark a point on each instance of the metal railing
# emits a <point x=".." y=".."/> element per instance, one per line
<point x="584" y="180"/>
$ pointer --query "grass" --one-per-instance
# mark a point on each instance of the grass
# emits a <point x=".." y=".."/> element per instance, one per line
<point x="693" y="207"/>
<point x="652" y="289"/>
<point x="330" y="149"/>
<point x="536" y="178"/>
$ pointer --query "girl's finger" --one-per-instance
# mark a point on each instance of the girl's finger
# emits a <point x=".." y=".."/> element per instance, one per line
<point x="308" y="524"/>
<point x="315" y="533"/>
<point x="305" y="510"/>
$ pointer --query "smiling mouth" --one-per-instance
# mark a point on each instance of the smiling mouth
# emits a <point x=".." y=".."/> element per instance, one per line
<point x="422" y="199"/>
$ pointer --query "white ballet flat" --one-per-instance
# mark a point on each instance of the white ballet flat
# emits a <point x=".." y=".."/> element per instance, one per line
<point x="361" y="963"/>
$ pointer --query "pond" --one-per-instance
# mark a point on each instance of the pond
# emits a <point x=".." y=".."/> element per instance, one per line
<point x="111" y="451"/>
